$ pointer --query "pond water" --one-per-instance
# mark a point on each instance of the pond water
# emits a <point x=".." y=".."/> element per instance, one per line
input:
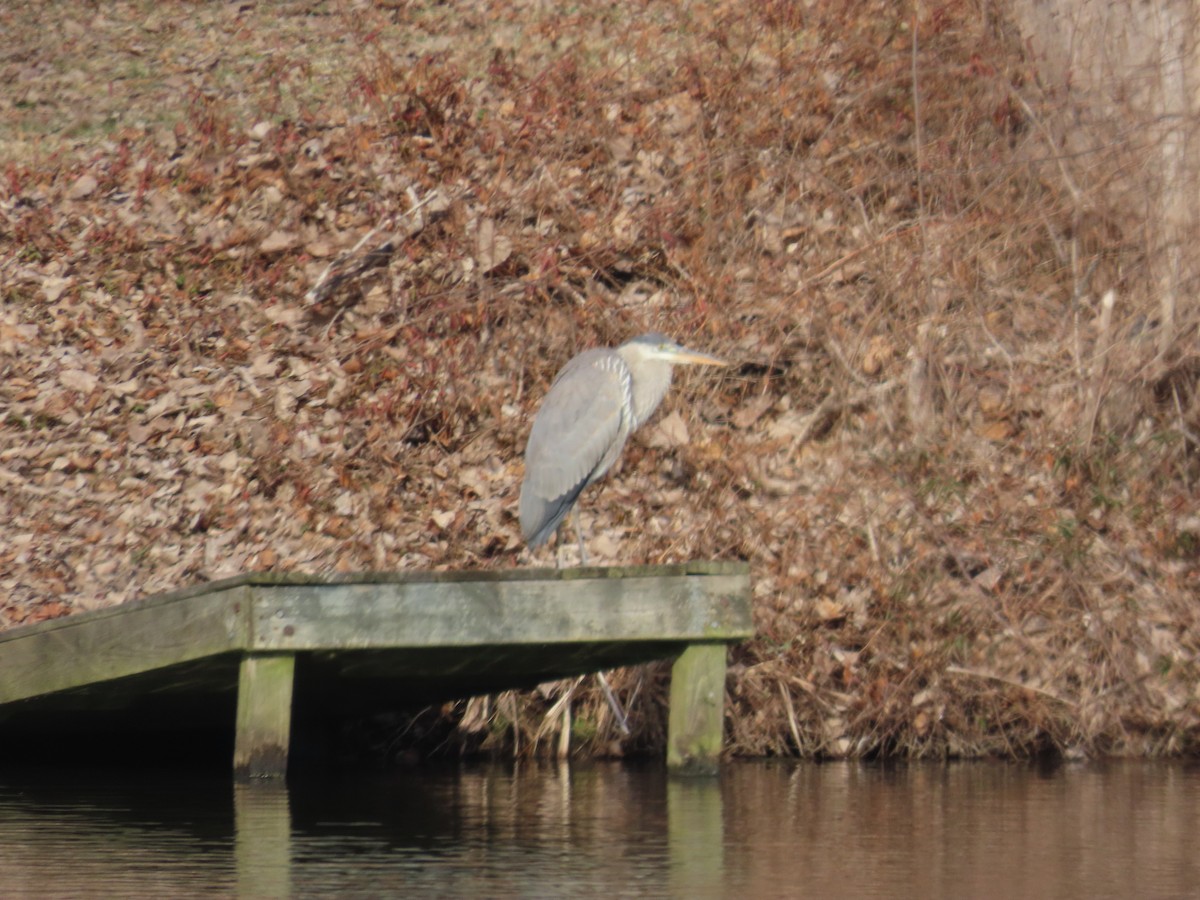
<point x="760" y="830"/>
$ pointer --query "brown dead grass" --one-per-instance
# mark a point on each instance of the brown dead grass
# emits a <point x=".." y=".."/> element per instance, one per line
<point x="966" y="491"/>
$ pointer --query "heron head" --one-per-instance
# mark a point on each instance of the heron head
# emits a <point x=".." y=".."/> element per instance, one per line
<point x="659" y="347"/>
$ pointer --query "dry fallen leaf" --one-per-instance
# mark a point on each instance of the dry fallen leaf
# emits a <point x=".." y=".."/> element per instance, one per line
<point x="85" y="185"/>
<point x="879" y="352"/>
<point x="278" y="242"/>
<point x="749" y="413"/>
<point x="54" y="286"/>
<point x="669" y="432"/>
<point x="78" y="380"/>
<point x="997" y="431"/>
<point x="491" y="247"/>
<point x="829" y="610"/>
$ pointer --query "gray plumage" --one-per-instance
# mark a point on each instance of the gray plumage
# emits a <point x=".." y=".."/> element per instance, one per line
<point x="598" y="399"/>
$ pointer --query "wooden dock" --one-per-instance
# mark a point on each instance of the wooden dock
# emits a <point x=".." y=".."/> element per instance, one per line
<point x="253" y="653"/>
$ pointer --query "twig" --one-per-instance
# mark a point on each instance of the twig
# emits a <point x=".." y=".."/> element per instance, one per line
<point x="564" y="734"/>
<point x="827" y="408"/>
<point x="920" y="393"/>
<point x="988" y="676"/>
<point x="1099" y="367"/>
<point x="553" y="712"/>
<point x="560" y="712"/>
<point x="858" y="251"/>
<point x="791" y="714"/>
<point x="507" y="704"/>
<point x="918" y="143"/>
<point x="1072" y="188"/>
<point x="613" y="703"/>
<point x="835" y="350"/>
<point x="1186" y="433"/>
<point x="345" y="267"/>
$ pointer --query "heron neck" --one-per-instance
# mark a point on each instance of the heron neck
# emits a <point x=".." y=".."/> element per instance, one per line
<point x="649" y="387"/>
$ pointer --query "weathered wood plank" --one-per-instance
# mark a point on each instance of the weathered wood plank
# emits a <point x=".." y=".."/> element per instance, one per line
<point x="697" y="567"/>
<point x="264" y="715"/>
<point x="80" y="650"/>
<point x="459" y="614"/>
<point x="696" y="720"/>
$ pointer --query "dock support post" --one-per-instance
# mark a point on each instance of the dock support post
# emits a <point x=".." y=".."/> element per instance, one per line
<point x="696" y="721"/>
<point x="264" y="715"/>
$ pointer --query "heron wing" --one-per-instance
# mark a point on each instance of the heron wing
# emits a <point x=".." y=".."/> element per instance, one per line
<point x="576" y="436"/>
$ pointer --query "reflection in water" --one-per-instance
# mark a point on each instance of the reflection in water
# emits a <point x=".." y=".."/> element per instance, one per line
<point x="761" y="830"/>
<point x="262" y="839"/>
<point x="695" y="835"/>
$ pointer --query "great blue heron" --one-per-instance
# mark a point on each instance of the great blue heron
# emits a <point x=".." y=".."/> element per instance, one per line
<point x="599" y="398"/>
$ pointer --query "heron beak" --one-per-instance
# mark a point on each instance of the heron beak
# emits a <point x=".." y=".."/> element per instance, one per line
<point x="689" y="357"/>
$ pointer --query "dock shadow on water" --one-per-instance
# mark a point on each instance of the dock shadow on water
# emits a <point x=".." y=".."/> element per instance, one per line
<point x="608" y="830"/>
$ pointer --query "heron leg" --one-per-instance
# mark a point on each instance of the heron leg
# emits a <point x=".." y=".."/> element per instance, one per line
<point x="583" y="557"/>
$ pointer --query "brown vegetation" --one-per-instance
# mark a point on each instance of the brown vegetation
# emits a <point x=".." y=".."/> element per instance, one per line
<point x="964" y="478"/>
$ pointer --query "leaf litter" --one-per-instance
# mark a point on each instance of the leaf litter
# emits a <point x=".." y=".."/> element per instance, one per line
<point x="283" y="284"/>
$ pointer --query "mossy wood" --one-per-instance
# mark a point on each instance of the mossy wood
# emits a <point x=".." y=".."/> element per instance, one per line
<point x="696" y="718"/>
<point x="353" y="645"/>
<point x="264" y="714"/>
